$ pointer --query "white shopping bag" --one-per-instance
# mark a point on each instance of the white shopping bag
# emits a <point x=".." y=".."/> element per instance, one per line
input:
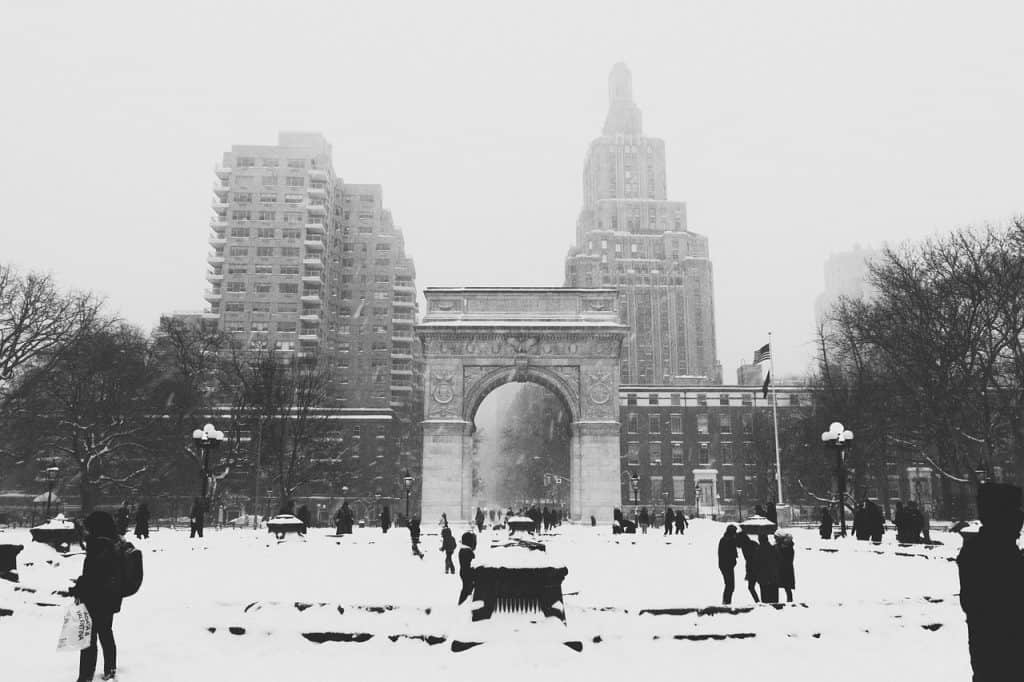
<point x="77" y="630"/>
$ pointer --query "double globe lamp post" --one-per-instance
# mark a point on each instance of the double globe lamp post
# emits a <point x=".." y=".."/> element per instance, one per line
<point x="840" y="438"/>
<point x="206" y="439"/>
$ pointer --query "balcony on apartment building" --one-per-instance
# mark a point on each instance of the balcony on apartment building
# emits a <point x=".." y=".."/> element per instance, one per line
<point x="222" y="172"/>
<point x="315" y="228"/>
<point x="213" y="295"/>
<point x="318" y="174"/>
<point x="215" y="276"/>
<point x="215" y="258"/>
<point x="318" y="192"/>
<point x="314" y="241"/>
<point x="317" y="209"/>
<point x="219" y="206"/>
<point x="221" y="191"/>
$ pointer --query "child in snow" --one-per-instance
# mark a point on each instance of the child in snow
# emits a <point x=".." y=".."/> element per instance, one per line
<point x="448" y="547"/>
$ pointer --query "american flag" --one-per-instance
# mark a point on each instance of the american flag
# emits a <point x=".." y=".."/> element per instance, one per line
<point x="763" y="353"/>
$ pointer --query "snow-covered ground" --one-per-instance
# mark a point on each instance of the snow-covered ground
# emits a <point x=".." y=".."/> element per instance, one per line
<point x="237" y="604"/>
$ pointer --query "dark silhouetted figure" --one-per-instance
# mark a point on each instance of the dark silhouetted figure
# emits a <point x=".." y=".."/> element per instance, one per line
<point x="448" y="547"/>
<point x="767" y="563"/>
<point x="644" y="520"/>
<point x="385" y="519"/>
<point x="900" y="520"/>
<point x="670" y="519"/>
<point x="681" y="522"/>
<point x="786" y="553"/>
<point x="749" y="549"/>
<point x="122" y="518"/>
<point x="466" y="556"/>
<point x="727" y="562"/>
<point x="444" y="520"/>
<point x="876" y="521"/>
<point x="479" y="518"/>
<point x="992" y="585"/>
<point x="825" y="526"/>
<point x="142" y="522"/>
<point x="99" y="588"/>
<point x="771" y="513"/>
<point x="195" y="518"/>
<point x="915" y="522"/>
<point x="414" y="536"/>
<point x="302" y="514"/>
<point x="861" y="524"/>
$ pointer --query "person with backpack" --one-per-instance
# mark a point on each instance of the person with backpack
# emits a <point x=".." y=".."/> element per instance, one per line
<point x="448" y="547"/>
<point x="100" y="589"/>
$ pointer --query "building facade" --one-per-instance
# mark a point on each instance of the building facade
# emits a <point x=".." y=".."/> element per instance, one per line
<point x="307" y="265"/>
<point x="629" y="236"/>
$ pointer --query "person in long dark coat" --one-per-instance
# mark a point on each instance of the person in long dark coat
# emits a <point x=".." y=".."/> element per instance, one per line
<point x="787" y="574"/>
<point x="825" y="526"/>
<point x="727" y="562"/>
<point x="385" y="519"/>
<point x="414" y="536"/>
<point x="992" y="585"/>
<point x="749" y="549"/>
<point x="681" y="522"/>
<point x="479" y="518"/>
<point x="670" y="519"/>
<point x="767" y="564"/>
<point x="899" y="519"/>
<point x="466" y="556"/>
<point x="302" y="514"/>
<point x="142" y="522"/>
<point x="196" y="518"/>
<point x="876" y="519"/>
<point x="644" y="519"/>
<point x="915" y="522"/>
<point x="99" y="588"/>
<point x="861" y="522"/>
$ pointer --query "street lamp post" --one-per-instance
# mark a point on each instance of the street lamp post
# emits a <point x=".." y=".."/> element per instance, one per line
<point x="206" y="439"/>
<point x="51" y="477"/>
<point x="407" y="480"/>
<point x="697" y="493"/>
<point x="739" y="503"/>
<point x="634" y="481"/>
<point x="376" y="508"/>
<point x="839" y="437"/>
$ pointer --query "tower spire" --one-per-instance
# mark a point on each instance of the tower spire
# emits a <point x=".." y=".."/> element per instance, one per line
<point x="624" y="117"/>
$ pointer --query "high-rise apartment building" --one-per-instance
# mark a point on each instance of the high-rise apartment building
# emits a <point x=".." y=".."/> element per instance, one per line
<point x="269" y="240"/>
<point x="631" y="237"/>
<point x="846" y="274"/>
<point x="306" y="264"/>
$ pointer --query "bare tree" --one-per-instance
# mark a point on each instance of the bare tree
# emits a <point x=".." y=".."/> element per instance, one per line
<point x="37" y="320"/>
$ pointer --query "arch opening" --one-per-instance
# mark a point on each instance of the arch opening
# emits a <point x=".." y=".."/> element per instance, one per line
<point x="522" y="440"/>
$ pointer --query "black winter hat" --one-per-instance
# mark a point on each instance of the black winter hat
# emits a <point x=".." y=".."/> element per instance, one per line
<point x="469" y="540"/>
<point x="101" y="525"/>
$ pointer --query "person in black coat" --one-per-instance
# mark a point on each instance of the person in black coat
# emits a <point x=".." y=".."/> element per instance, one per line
<point x="681" y="522"/>
<point x="99" y="588"/>
<point x="767" y="563"/>
<point x="466" y="556"/>
<point x="749" y="549"/>
<point x="825" y="526"/>
<point x="876" y="522"/>
<point x="385" y="519"/>
<point x="414" y="536"/>
<point x="448" y="547"/>
<point x="302" y="514"/>
<point x="787" y="575"/>
<point x="644" y="520"/>
<point x="727" y="562"/>
<point x="861" y="522"/>
<point x="670" y="519"/>
<point x="479" y="518"/>
<point x="195" y="517"/>
<point x="992" y="584"/>
<point x="142" y="522"/>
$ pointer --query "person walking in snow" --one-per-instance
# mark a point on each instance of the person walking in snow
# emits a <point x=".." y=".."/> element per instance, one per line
<point x="195" y="518"/>
<point x="302" y="514"/>
<point x="414" y="536"/>
<point x="385" y="518"/>
<point x="786" y="553"/>
<point x="992" y="584"/>
<point x="681" y="522"/>
<point x="479" y="518"/>
<point x="644" y="520"/>
<point x="448" y="547"/>
<point x="99" y="588"/>
<point x="444" y="520"/>
<point x="727" y="562"/>
<point x="669" y="520"/>
<point x="749" y="549"/>
<point x="142" y="522"/>
<point x="825" y="526"/>
<point x="466" y="556"/>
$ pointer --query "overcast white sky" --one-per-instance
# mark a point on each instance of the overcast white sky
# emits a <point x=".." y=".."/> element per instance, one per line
<point x="792" y="130"/>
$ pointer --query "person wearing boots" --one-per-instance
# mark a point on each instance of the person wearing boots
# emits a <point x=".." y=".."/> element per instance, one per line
<point x="466" y="556"/>
<point x="99" y="588"/>
<point x="681" y="522"/>
<point x="825" y="526"/>
<point x="448" y="547"/>
<point x="670" y="519"/>
<point x="749" y="549"/>
<point x="992" y="585"/>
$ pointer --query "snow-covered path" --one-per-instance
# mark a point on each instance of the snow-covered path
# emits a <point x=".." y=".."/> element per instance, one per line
<point x="236" y="605"/>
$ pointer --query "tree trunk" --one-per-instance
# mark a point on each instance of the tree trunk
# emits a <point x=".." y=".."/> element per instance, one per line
<point x="947" y="497"/>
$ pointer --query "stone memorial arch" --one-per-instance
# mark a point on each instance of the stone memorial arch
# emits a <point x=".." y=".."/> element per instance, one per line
<point x="476" y="339"/>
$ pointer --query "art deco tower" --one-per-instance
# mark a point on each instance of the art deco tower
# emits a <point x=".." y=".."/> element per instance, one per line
<point x="631" y="237"/>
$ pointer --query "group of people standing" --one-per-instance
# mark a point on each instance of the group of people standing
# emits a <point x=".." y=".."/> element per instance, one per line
<point x="672" y="521"/>
<point x="769" y="566"/>
<point x="124" y="516"/>
<point x="869" y="522"/>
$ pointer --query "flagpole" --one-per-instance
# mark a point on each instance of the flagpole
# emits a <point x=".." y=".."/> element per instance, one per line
<point x="775" y="416"/>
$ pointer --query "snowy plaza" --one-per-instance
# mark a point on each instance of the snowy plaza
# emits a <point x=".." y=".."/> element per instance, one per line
<point x="239" y="605"/>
